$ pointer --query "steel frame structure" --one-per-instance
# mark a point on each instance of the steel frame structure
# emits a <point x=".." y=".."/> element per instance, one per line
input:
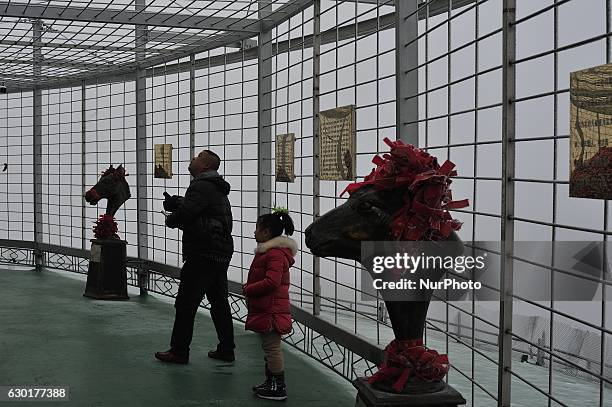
<point x="164" y="43"/>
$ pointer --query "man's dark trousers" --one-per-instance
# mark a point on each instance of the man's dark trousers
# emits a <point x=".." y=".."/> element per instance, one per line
<point x="200" y="277"/>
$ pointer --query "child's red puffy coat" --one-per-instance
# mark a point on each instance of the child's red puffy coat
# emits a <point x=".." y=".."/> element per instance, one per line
<point x="267" y="287"/>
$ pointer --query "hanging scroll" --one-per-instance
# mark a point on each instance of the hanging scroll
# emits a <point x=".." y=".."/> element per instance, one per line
<point x="591" y="133"/>
<point x="337" y="134"/>
<point x="163" y="161"/>
<point x="285" y="155"/>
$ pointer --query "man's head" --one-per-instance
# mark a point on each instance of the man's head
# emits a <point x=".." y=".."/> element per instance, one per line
<point x="205" y="161"/>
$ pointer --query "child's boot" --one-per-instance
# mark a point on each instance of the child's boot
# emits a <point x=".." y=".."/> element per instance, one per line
<point x="275" y="389"/>
<point x="264" y="384"/>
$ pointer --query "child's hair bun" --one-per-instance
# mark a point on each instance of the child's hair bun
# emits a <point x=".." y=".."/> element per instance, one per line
<point x="283" y="215"/>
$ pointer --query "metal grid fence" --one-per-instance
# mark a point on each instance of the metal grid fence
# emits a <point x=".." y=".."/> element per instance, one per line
<point x="496" y="107"/>
<point x="16" y="130"/>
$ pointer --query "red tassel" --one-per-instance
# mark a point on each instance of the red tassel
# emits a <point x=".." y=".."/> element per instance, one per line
<point x="428" y="197"/>
<point x="105" y="227"/>
<point x="457" y="204"/>
<point x="378" y="160"/>
<point x="399" y="385"/>
<point x="409" y="358"/>
<point x="446" y="168"/>
<point x="389" y="142"/>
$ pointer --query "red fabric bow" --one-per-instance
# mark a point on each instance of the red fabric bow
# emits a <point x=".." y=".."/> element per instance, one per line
<point x="105" y="227"/>
<point x="406" y="359"/>
<point x="428" y="197"/>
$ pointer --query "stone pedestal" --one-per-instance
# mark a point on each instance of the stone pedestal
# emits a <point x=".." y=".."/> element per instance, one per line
<point x="107" y="274"/>
<point x="367" y="396"/>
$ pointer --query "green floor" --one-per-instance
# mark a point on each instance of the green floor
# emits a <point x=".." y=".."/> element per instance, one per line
<point x="51" y="335"/>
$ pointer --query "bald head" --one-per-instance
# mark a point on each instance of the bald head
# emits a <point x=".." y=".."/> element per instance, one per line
<point x="205" y="161"/>
<point x="212" y="159"/>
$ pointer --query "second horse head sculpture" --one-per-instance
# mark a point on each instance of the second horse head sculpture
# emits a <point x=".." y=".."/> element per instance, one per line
<point x="111" y="186"/>
<point x="405" y="198"/>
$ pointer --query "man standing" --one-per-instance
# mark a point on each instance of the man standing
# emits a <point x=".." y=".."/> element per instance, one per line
<point x="205" y="217"/>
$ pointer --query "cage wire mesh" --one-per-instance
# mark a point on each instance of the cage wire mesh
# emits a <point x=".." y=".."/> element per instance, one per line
<point x="109" y="80"/>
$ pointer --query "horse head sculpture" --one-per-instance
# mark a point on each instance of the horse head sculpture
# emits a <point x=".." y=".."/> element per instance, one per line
<point x="365" y="216"/>
<point x="111" y="186"/>
<point x="405" y="198"/>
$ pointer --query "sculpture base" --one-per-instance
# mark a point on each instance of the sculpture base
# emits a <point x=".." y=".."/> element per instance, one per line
<point x="367" y="396"/>
<point x="107" y="274"/>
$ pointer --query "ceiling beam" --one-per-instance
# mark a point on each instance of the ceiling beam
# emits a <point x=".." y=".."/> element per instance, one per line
<point x="70" y="46"/>
<point x="365" y="27"/>
<point x="376" y="2"/>
<point x="81" y="46"/>
<point x="126" y="16"/>
<point x="8" y="76"/>
<point x="190" y="39"/>
<point x="173" y="38"/>
<point x="284" y="13"/>
<point x="126" y="71"/>
<point x="210" y="43"/>
<point x="436" y="7"/>
<point x="53" y="63"/>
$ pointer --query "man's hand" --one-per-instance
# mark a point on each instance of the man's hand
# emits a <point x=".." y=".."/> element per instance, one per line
<point x="170" y="222"/>
<point x="171" y="202"/>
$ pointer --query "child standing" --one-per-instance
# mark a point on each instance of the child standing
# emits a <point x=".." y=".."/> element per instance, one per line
<point x="267" y="294"/>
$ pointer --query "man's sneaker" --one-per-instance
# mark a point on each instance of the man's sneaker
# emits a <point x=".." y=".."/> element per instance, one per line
<point x="265" y="383"/>
<point x="226" y="356"/>
<point x="275" y="388"/>
<point x="171" y="357"/>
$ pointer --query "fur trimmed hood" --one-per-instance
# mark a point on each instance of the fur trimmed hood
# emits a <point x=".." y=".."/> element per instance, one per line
<point x="279" y="241"/>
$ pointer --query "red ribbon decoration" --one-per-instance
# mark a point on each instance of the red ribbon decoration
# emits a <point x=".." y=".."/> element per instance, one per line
<point x="406" y="359"/>
<point x="105" y="227"/>
<point x="424" y="215"/>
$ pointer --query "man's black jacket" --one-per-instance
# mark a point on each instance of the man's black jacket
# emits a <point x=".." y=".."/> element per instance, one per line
<point x="205" y="217"/>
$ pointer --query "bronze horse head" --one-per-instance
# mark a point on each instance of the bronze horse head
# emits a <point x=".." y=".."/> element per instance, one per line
<point x="365" y="216"/>
<point x="111" y="186"/>
<point x="368" y="215"/>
